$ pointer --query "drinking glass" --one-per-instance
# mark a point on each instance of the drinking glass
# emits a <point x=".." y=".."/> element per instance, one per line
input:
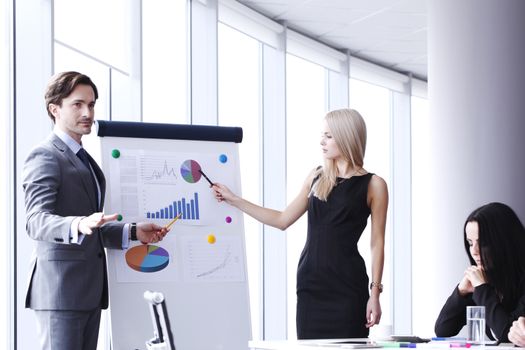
<point x="476" y="324"/>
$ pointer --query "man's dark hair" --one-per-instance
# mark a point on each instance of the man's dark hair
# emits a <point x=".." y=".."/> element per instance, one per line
<point x="62" y="85"/>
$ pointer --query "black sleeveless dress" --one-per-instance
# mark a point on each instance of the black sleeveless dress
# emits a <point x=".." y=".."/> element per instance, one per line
<point x="332" y="283"/>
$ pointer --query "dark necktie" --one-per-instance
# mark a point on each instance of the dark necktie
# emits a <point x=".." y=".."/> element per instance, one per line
<point x="83" y="155"/>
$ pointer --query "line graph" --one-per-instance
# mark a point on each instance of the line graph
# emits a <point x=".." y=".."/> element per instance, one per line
<point x="222" y="265"/>
<point x="158" y="171"/>
<point x="221" y="261"/>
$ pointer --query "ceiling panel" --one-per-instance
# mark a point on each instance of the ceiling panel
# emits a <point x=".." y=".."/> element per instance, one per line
<point x="320" y="14"/>
<point x="391" y="33"/>
<point x="366" y="5"/>
<point x="314" y="29"/>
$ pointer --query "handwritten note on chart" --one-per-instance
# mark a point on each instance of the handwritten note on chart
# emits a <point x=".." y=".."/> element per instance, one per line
<point x="221" y="261"/>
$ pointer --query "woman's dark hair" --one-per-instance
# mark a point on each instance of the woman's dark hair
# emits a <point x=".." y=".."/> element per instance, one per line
<point x="62" y="85"/>
<point x="501" y="247"/>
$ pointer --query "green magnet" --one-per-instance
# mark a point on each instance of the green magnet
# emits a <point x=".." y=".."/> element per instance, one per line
<point x="119" y="217"/>
<point x="115" y="153"/>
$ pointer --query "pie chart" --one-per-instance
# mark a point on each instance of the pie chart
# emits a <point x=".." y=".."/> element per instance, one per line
<point x="190" y="171"/>
<point x="147" y="258"/>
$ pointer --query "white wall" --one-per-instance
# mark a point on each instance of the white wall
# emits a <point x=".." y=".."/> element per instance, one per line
<point x="476" y="103"/>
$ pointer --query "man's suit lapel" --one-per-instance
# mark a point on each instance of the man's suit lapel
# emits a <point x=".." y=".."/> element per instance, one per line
<point x="81" y="169"/>
<point x="101" y="180"/>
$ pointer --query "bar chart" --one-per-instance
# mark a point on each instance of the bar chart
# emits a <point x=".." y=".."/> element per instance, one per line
<point x="187" y="208"/>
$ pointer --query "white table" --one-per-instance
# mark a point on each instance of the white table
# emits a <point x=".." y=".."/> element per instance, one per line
<point x="313" y="344"/>
<point x="333" y="344"/>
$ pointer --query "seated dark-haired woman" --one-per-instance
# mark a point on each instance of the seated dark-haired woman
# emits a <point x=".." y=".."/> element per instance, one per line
<point x="494" y="240"/>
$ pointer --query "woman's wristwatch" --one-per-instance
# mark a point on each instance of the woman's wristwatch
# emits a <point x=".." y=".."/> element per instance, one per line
<point x="377" y="285"/>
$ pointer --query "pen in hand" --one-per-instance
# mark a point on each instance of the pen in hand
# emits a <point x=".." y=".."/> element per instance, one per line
<point x="172" y="221"/>
<point x="207" y="179"/>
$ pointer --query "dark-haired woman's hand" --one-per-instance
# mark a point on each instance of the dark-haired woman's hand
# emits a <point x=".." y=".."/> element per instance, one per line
<point x="517" y="332"/>
<point x="465" y="287"/>
<point x="475" y="275"/>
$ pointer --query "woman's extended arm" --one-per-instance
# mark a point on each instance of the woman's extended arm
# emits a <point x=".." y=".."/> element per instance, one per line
<point x="279" y="219"/>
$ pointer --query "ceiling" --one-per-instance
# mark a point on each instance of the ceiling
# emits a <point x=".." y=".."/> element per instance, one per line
<point x="391" y="33"/>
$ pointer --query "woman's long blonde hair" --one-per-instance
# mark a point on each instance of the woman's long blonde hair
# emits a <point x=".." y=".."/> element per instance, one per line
<point x="349" y="132"/>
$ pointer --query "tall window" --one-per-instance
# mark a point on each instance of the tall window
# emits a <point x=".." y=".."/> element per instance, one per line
<point x="373" y="103"/>
<point x="306" y="107"/>
<point x="96" y="49"/>
<point x="164" y="61"/>
<point x="239" y="105"/>
<point x="140" y="75"/>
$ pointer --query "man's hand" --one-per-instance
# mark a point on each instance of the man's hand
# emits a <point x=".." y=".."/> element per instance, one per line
<point x="517" y="332"/>
<point x="87" y="224"/>
<point x="150" y="233"/>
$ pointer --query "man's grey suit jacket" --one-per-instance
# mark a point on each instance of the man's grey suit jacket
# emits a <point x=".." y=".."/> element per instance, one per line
<point x="58" y="188"/>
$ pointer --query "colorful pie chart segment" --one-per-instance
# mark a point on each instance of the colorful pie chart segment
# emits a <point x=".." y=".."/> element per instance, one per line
<point x="190" y="171"/>
<point x="147" y="258"/>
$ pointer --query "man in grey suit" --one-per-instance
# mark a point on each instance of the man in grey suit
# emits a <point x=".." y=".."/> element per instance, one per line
<point x="64" y="196"/>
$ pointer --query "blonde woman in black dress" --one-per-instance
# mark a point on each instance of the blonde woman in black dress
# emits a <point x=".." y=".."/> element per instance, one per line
<point x="334" y="296"/>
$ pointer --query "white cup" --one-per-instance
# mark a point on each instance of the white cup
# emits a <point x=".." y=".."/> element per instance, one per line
<point x="381" y="332"/>
<point x="476" y="324"/>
